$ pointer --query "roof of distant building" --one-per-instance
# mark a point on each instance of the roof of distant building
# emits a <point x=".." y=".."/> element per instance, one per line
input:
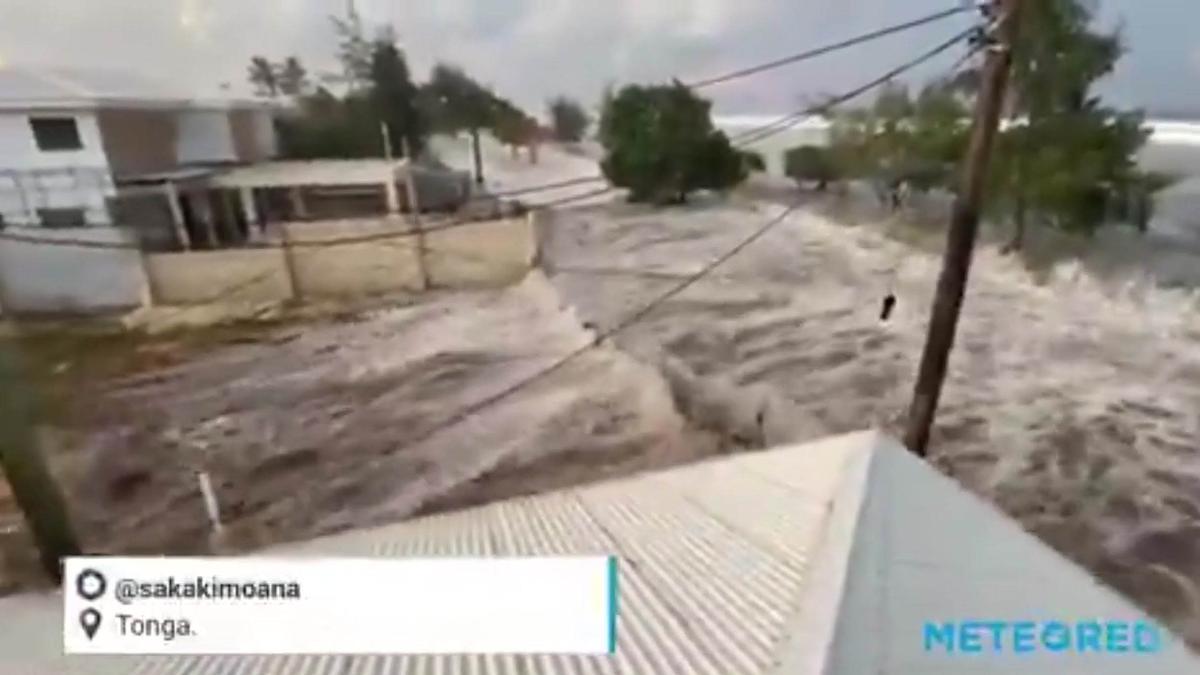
<point x="318" y="172"/>
<point x="33" y="88"/>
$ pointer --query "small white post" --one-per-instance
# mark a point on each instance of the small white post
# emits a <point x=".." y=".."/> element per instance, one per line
<point x="177" y="220"/>
<point x="248" y="208"/>
<point x="389" y="187"/>
<point x="414" y="206"/>
<point x="204" y="209"/>
<point x="210" y="501"/>
<point x="387" y="141"/>
<point x="414" y="210"/>
<point x="299" y="207"/>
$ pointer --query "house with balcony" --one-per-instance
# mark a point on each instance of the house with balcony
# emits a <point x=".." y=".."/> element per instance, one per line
<point x="70" y="140"/>
<point x="78" y="149"/>
<point x="112" y="158"/>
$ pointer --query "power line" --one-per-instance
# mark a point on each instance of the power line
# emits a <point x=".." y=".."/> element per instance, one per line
<point x="786" y="122"/>
<point x="334" y="241"/>
<point x="539" y="188"/>
<point x="770" y="65"/>
<point x="477" y="407"/>
<point x="743" y="139"/>
<point x="821" y="51"/>
<point x="632" y="319"/>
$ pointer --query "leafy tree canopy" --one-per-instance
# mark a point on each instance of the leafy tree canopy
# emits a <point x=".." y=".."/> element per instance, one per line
<point x="569" y="119"/>
<point x="395" y="98"/>
<point x="457" y="101"/>
<point x="264" y="76"/>
<point x="1065" y="159"/>
<point x="293" y="77"/>
<point x="809" y="163"/>
<point x="753" y="161"/>
<point x="660" y="143"/>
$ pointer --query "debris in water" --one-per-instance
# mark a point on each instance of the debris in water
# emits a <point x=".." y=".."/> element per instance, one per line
<point x="889" y="303"/>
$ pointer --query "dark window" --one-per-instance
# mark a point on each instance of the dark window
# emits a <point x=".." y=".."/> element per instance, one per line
<point x="62" y="217"/>
<point x="56" y="133"/>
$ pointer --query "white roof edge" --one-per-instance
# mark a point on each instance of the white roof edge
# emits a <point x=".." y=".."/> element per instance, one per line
<point x="926" y="549"/>
<point x="101" y="103"/>
<point x="809" y="647"/>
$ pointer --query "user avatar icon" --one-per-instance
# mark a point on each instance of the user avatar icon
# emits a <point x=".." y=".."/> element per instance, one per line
<point x="90" y="584"/>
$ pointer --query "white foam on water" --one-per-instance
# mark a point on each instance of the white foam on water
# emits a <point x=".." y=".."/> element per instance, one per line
<point x="1170" y="132"/>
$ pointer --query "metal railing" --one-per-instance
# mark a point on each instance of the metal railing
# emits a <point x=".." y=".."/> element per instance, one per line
<point x="56" y="197"/>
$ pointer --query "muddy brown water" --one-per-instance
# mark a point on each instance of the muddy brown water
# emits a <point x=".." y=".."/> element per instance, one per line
<point x="332" y="425"/>
<point x="1074" y="404"/>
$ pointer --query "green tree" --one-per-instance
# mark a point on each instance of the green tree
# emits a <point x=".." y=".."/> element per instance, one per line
<point x="394" y="97"/>
<point x="264" y="75"/>
<point x="323" y="126"/>
<point x="934" y="139"/>
<point x="458" y="102"/>
<point x="355" y="50"/>
<point x="811" y="164"/>
<point x="1071" y="158"/>
<point x="512" y="126"/>
<point x="569" y="119"/>
<point x="852" y="143"/>
<point x="293" y="78"/>
<point x="660" y="143"/>
<point x="753" y="161"/>
<point x="893" y="103"/>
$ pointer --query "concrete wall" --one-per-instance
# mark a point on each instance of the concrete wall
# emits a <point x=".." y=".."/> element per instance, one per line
<point x="31" y="178"/>
<point x="253" y="135"/>
<point x="486" y="253"/>
<point x="264" y="134"/>
<point x="24" y="193"/>
<point x="384" y="265"/>
<point x="438" y="190"/>
<point x="235" y="275"/>
<point x="139" y="141"/>
<point x="205" y="136"/>
<point x="38" y="278"/>
<point x="19" y="150"/>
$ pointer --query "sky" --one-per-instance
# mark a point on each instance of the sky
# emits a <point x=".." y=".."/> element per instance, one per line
<point x="531" y="50"/>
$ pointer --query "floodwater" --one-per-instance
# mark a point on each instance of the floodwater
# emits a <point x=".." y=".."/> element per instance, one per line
<point x="1073" y="400"/>
<point x="1174" y="148"/>
<point x="1073" y="403"/>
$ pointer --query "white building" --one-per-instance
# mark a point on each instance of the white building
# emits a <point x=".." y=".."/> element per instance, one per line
<point x="77" y="152"/>
<point x="68" y="139"/>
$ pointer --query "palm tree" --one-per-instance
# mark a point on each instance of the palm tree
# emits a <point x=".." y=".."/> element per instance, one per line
<point x="264" y="76"/>
<point x="293" y="78"/>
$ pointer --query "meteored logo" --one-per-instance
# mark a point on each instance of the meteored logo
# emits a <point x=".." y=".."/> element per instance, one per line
<point x="1032" y="637"/>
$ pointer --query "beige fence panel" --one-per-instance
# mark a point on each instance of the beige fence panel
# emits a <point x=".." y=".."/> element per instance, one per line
<point x="232" y="275"/>
<point x="488" y="253"/>
<point x="385" y="264"/>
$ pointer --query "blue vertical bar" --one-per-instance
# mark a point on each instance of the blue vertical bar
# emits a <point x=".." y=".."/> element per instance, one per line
<point x="612" y="605"/>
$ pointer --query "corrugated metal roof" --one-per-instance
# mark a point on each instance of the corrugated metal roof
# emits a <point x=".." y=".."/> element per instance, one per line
<point x="818" y="559"/>
<point x="310" y="172"/>
<point x="713" y="559"/>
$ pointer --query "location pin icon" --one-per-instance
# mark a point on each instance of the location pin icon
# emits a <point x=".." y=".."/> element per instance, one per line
<point x="90" y="620"/>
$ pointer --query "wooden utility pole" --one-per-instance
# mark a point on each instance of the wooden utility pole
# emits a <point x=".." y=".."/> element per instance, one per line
<point x="964" y="225"/>
<point x="32" y="485"/>
<point x="414" y="210"/>
<point x="478" y="155"/>
<point x="386" y="132"/>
